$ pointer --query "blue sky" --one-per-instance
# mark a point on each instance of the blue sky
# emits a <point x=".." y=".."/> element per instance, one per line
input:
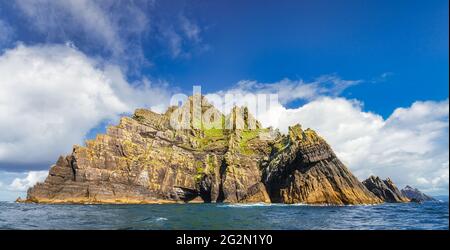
<point x="294" y="39"/>
<point x="298" y="39"/>
<point x="395" y="54"/>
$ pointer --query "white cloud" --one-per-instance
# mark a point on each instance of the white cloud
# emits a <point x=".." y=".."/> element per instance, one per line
<point x="53" y="95"/>
<point x="181" y="37"/>
<point x="112" y="26"/>
<point x="411" y="146"/>
<point x="174" y="42"/>
<point x="117" y="27"/>
<point x="9" y="192"/>
<point x="190" y="29"/>
<point x="22" y="184"/>
<point x="289" y="90"/>
<point x="86" y="14"/>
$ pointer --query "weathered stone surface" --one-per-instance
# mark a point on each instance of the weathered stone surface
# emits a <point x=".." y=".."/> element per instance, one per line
<point x="146" y="160"/>
<point x="384" y="189"/>
<point x="415" y="194"/>
<point x="307" y="171"/>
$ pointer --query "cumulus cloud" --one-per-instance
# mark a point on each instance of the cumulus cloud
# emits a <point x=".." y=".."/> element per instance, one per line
<point x="15" y="184"/>
<point x="32" y="177"/>
<point x="410" y="146"/>
<point x="52" y="95"/>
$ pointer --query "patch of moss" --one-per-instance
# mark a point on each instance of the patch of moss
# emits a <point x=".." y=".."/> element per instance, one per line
<point x="281" y="144"/>
<point x="214" y="133"/>
<point x="212" y="137"/>
<point x="246" y="136"/>
<point x="210" y="163"/>
<point x="200" y="171"/>
<point x="250" y="134"/>
<point x="131" y="149"/>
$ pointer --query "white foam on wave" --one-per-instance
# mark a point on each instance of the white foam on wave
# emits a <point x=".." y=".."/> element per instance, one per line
<point x="161" y="219"/>
<point x="243" y="205"/>
<point x="249" y="205"/>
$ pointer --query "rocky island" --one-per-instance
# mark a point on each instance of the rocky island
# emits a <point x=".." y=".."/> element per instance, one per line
<point x="416" y="195"/>
<point x="384" y="189"/>
<point x="145" y="160"/>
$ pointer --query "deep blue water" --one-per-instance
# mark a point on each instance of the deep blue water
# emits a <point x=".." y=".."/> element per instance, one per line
<point x="430" y="215"/>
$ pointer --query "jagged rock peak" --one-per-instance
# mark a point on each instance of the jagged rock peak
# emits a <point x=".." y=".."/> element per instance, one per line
<point x="415" y="194"/>
<point x="308" y="171"/>
<point x="296" y="133"/>
<point x="386" y="190"/>
<point x="153" y="119"/>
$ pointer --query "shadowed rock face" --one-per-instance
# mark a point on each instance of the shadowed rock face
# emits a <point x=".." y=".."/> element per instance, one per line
<point x="308" y="171"/>
<point x="415" y="194"/>
<point x="145" y="160"/>
<point x="385" y="189"/>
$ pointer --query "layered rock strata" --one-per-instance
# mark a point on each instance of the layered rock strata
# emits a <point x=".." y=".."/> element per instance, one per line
<point x="386" y="190"/>
<point x="145" y="159"/>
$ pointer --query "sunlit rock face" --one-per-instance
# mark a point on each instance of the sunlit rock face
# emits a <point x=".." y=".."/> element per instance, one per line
<point x="308" y="171"/>
<point x="145" y="159"/>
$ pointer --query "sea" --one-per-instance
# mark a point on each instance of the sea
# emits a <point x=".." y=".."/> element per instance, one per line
<point x="403" y="216"/>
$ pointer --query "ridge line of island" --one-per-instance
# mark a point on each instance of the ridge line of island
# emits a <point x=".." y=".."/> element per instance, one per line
<point x="143" y="160"/>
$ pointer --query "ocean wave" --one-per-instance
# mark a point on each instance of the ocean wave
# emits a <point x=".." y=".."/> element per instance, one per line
<point x="154" y="219"/>
<point x="212" y="216"/>
<point x="243" y="205"/>
<point x="249" y="205"/>
<point x="161" y="219"/>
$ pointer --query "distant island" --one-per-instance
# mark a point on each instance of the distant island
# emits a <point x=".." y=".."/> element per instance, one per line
<point x="144" y="160"/>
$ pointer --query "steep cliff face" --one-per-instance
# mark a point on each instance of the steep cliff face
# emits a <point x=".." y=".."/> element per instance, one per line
<point x="146" y="160"/>
<point x="308" y="171"/>
<point x="384" y="189"/>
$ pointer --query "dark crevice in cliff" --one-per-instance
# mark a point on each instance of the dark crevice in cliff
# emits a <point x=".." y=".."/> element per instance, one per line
<point x="222" y="172"/>
<point x="120" y="150"/>
<point x="73" y="166"/>
<point x="205" y="189"/>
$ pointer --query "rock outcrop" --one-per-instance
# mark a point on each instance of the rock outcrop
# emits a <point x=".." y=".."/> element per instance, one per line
<point x="416" y="195"/>
<point x="145" y="159"/>
<point x="308" y="171"/>
<point x="384" y="189"/>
